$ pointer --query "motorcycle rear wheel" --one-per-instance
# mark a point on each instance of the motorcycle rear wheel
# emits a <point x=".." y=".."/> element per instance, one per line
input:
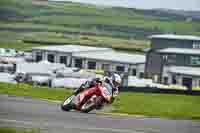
<point x="67" y="104"/>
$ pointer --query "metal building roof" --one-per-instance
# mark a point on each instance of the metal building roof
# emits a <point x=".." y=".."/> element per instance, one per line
<point x="70" y="48"/>
<point x="193" y="71"/>
<point x="113" y="56"/>
<point x="176" y="37"/>
<point x="180" y="51"/>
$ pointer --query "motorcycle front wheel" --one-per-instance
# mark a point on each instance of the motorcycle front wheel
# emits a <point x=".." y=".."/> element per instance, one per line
<point x="88" y="106"/>
<point x="67" y="104"/>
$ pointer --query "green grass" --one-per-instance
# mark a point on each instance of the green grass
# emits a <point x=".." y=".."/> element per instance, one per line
<point x="164" y="26"/>
<point x="9" y="39"/>
<point x="115" y="43"/>
<point x="155" y="105"/>
<point x="18" y="45"/>
<point x="13" y="130"/>
<point x="35" y="92"/>
<point x="158" y="105"/>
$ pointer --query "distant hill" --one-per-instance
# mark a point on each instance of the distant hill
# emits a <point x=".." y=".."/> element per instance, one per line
<point x="160" y="13"/>
<point x="194" y="15"/>
<point x="58" y="22"/>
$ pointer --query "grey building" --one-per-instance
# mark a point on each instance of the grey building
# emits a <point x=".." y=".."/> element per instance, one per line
<point x="174" y="59"/>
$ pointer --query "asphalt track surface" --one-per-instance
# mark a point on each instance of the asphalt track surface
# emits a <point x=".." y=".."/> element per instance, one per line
<point x="30" y="113"/>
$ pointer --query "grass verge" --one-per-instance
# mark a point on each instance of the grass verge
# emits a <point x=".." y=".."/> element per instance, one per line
<point x="12" y="130"/>
<point x="35" y="92"/>
<point x="153" y="105"/>
<point x="158" y="105"/>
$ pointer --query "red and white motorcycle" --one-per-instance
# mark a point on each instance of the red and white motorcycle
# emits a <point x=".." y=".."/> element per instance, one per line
<point x="89" y="99"/>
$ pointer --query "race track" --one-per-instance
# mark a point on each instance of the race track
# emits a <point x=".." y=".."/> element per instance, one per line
<point x="31" y="113"/>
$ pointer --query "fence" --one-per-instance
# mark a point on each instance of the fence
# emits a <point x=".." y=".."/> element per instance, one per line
<point x="158" y="90"/>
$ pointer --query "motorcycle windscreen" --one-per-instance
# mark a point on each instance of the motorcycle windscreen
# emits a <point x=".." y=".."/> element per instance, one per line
<point x="106" y="91"/>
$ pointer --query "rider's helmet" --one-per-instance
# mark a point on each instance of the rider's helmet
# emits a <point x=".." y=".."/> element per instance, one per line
<point x="116" y="80"/>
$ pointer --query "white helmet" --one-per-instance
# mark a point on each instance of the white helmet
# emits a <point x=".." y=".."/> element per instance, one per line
<point x="116" y="78"/>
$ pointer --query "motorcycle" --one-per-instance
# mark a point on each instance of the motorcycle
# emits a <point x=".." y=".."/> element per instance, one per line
<point x="89" y="99"/>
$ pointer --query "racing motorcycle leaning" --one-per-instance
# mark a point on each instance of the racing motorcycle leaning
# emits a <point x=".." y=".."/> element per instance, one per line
<point x="89" y="99"/>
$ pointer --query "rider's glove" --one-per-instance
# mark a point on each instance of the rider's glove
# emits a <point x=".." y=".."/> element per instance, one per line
<point x="115" y="93"/>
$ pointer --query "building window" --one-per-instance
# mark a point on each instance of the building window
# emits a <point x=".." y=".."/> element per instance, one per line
<point x="91" y="65"/>
<point x="149" y="75"/>
<point x="106" y="67"/>
<point x="7" y="50"/>
<point x="165" y="57"/>
<point x="38" y="56"/>
<point x="120" y="68"/>
<point x="199" y="83"/>
<point x="174" y="79"/>
<point x="171" y="58"/>
<point x="141" y="75"/>
<point x="51" y="58"/>
<point x="78" y="63"/>
<point x="1" y="69"/>
<point x="166" y="79"/>
<point x="187" y="82"/>
<point x="63" y="59"/>
<point x="196" y="45"/>
<point x="134" y="72"/>
<point x="195" y="60"/>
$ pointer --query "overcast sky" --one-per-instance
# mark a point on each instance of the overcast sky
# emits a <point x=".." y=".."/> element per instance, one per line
<point x="148" y="4"/>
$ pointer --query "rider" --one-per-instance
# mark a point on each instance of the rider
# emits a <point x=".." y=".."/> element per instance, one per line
<point x="114" y="81"/>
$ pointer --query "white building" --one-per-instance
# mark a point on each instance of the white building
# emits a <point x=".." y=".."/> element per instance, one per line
<point x="110" y="61"/>
<point x="92" y="58"/>
<point x="40" y="68"/>
<point x="181" y="75"/>
<point x="61" y="54"/>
